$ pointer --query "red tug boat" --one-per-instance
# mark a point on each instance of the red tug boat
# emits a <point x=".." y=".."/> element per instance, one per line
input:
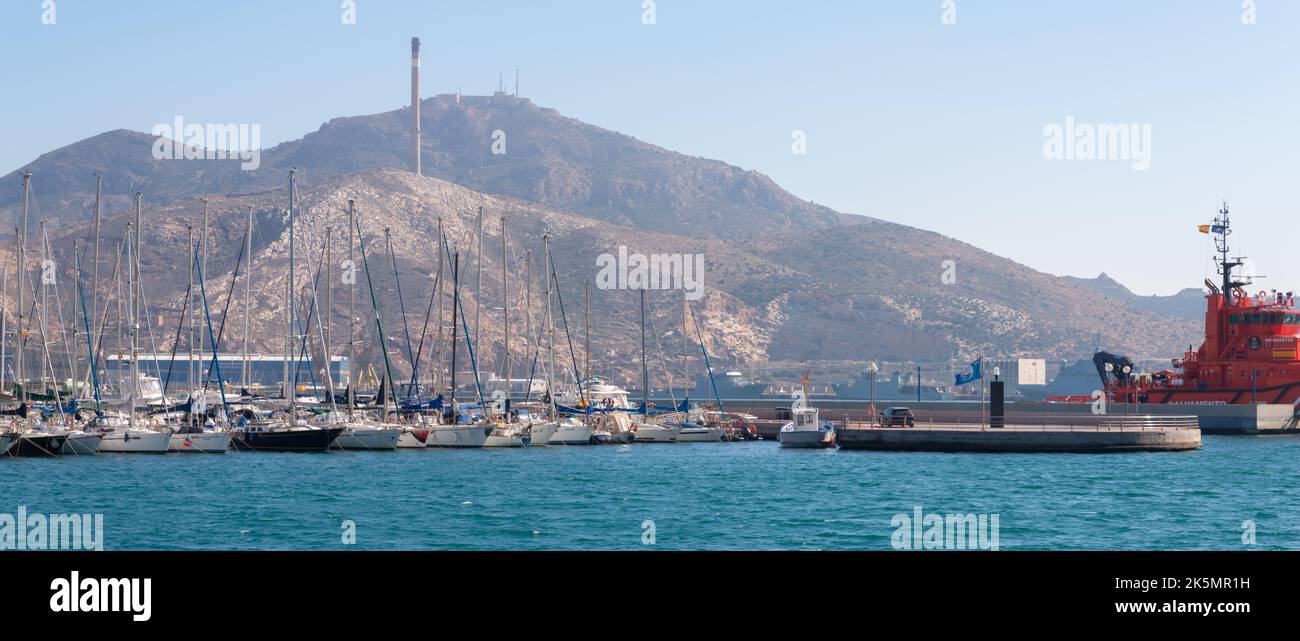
<point x="1249" y="354"/>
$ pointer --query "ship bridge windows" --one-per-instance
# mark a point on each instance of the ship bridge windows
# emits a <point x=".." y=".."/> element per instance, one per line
<point x="1264" y="319"/>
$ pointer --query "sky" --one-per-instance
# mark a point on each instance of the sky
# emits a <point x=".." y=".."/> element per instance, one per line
<point x="909" y="111"/>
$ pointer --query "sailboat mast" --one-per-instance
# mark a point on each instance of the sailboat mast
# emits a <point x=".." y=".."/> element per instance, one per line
<point x="94" y="283"/>
<point x="190" y="372"/>
<point x="455" y="307"/>
<point x="352" y="311"/>
<point x="645" y="371"/>
<point x="550" y="322"/>
<point x="442" y="289"/>
<point x="505" y="308"/>
<point x="293" y="197"/>
<point x="133" y="275"/>
<point x="586" y="331"/>
<point x="478" y="285"/>
<point x="329" y="309"/>
<point x="247" y="374"/>
<point x="528" y="316"/>
<point x="22" y="270"/>
<point x="203" y="268"/>
<point x="45" y="298"/>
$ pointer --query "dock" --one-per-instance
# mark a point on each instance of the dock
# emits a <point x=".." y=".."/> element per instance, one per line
<point x="1254" y="420"/>
<point x="1106" y="434"/>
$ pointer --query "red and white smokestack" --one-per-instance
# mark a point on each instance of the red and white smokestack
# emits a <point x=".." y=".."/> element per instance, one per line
<point x="415" y="105"/>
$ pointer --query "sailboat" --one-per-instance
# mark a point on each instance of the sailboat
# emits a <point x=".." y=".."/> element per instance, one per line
<point x="129" y="434"/>
<point x="461" y="426"/>
<point x="647" y="430"/>
<point x="358" y="433"/>
<point x="272" y="432"/>
<point x="513" y="428"/>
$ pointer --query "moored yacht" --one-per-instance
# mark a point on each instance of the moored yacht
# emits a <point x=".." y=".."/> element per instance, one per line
<point x="571" y="431"/>
<point x="276" y="435"/>
<point x="119" y="436"/>
<point x="195" y="439"/>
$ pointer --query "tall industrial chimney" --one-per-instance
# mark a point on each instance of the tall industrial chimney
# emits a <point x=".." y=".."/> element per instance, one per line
<point x="415" y="104"/>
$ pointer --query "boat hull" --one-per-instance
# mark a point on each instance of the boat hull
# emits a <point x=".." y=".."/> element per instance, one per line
<point x="543" y="433"/>
<point x="511" y="439"/>
<point x="296" y="440"/>
<point x="413" y="439"/>
<point x="7" y="441"/>
<point x="37" y="445"/>
<point x="81" y="444"/>
<point x="369" y="438"/>
<point x="135" y="441"/>
<point x="808" y="438"/>
<point x="698" y="435"/>
<point x="203" y="443"/>
<point x="657" y="433"/>
<point x="458" y="436"/>
<point x="569" y="434"/>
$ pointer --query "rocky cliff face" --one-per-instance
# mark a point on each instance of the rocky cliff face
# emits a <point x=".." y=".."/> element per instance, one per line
<point x="783" y="279"/>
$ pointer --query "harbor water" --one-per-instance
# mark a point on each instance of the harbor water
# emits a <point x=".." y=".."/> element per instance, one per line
<point x="702" y="496"/>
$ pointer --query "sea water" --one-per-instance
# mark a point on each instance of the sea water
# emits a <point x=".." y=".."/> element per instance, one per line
<point x="1237" y="493"/>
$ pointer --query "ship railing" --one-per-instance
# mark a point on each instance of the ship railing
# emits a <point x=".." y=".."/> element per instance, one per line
<point x="1044" y="422"/>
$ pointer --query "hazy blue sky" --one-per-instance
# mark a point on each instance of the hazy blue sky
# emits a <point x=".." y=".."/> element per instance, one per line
<point x="935" y="125"/>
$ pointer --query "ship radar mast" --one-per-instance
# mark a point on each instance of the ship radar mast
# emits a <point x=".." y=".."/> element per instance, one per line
<point x="1222" y="230"/>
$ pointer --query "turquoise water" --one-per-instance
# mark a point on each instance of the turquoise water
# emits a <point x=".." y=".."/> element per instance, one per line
<point x="704" y="496"/>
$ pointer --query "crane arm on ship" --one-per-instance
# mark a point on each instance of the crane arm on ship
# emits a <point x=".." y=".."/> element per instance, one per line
<point x="1121" y="367"/>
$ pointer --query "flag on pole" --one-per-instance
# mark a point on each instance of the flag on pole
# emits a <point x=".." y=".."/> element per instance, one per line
<point x="1211" y="229"/>
<point x="974" y="374"/>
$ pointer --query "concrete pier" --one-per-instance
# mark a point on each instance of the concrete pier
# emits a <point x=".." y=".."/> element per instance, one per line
<point x="1259" y="420"/>
<point x="1136" y="434"/>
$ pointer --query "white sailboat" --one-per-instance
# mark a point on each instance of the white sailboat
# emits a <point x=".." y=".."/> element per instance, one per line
<point x="571" y="431"/>
<point x="129" y="435"/>
<point x="195" y="432"/>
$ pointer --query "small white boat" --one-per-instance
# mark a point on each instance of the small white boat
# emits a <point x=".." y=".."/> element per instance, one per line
<point x="135" y="441"/>
<point x="807" y="430"/>
<point x="369" y="436"/>
<point x="571" y="431"/>
<point x="466" y="435"/>
<point x="653" y="433"/>
<point x="696" y="433"/>
<point x="207" y="441"/>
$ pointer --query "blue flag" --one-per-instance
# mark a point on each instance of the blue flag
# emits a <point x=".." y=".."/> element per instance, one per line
<point x="974" y="374"/>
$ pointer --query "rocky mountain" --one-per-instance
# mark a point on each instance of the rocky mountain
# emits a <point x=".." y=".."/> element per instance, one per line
<point x="1188" y="304"/>
<point x="547" y="158"/>
<point x="842" y="288"/>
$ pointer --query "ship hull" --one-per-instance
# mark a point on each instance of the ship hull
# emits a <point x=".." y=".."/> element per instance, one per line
<point x="1276" y="394"/>
<point x="305" y="440"/>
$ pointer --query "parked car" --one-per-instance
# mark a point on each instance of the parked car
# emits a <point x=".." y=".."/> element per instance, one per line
<point x="897" y="417"/>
